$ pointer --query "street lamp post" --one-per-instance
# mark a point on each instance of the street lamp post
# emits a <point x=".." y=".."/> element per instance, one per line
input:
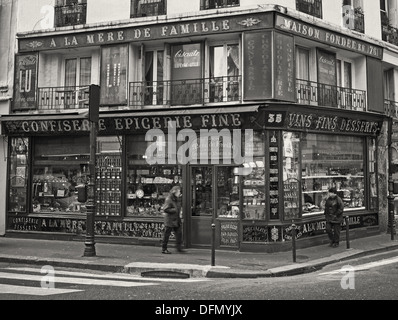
<point x="93" y="117"/>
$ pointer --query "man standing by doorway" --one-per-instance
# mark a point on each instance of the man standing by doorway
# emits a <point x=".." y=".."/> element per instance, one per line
<point x="334" y="208"/>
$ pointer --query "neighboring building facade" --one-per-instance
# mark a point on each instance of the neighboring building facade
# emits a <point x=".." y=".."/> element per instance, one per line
<point x="291" y="93"/>
<point x="7" y="35"/>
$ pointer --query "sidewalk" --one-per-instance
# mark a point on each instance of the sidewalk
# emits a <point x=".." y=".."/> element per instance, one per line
<point x="195" y="263"/>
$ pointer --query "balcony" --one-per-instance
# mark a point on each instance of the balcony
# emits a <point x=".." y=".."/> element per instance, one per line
<point x="319" y="94"/>
<point x="185" y="92"/>
<point x="391" y="108"/>
<point x="312" y="7"/>
<point x="148" y="8"/>
<point x="359" y="21"/>
<point x="70" y="15"/>
<point x="216" y="4"/>
<point x="62" y="98"/>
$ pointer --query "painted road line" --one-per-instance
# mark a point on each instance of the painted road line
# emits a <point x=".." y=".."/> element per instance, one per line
<point x="33" y="291"/>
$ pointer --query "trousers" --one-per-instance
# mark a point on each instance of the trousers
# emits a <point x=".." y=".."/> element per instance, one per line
<point x="166" y="237"/>
<point x="333" y="230"/>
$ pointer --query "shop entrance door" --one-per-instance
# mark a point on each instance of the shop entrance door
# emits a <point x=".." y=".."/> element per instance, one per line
<point x="202" y="205"/>
<point x="214" y="193"/>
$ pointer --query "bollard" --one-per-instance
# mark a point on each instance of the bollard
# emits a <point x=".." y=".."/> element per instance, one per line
<point x="347" y="231"/>
<point x="294" y="241"/>
<point x="213" y="245"/>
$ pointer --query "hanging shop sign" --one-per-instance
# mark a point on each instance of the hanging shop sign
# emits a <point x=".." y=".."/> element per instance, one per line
<point x="269" y="66"/>
<point x="114" y="75"/>
<point x="324" y="123"/>
<point x="148" y="32"/>
<point x="25" y="81"/>
<point x="335" y="39"/>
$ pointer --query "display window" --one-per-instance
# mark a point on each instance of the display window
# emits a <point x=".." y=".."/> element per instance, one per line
<point x="228" y="193"/>
<point x="18" y="175"/>
<point x="60" y="164"/>
<point x="148" y="185"/>
<point x="313" y="163"/>
<point x="109" y="176"/>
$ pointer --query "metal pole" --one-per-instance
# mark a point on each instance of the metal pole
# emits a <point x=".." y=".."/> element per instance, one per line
<point x="347" y="231"/>
<point x="213" y="245"/>
<point x="390" y="183"/>
<point x="89" y="250"/>
<point x="294" y="241"/>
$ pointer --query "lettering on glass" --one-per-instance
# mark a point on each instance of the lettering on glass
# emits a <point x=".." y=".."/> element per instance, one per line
<point x="25" y="82"/>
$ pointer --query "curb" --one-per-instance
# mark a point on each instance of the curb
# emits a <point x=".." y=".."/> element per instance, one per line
<point x="199" y="271"/>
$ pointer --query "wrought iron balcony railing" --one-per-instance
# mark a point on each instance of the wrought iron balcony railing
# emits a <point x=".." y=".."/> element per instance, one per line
<point x="390" y="34"/>
<point x="63" y="98"/>
<point x="391" y="108"/>
<point x="312" y="7"/>
<point x="70" y="15"/>
<point x="359" y="21"/>
<point x="185" y="92"/>
<point x="314" y="93"/>
<point x="215" y="4"/>
<point x="146" y="8"/>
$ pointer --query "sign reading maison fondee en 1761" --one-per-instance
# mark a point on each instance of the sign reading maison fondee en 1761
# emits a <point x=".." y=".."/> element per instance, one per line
<point x="147" y="32"/>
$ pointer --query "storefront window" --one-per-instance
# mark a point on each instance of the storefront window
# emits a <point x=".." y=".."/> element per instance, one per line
<point x="18" y="174"/>
<point x="372" y="174"/>
<point x="253" y="184"/>
<point x="109" y="176"/>
<point x="148" y="185"/>
<point x="60" y="164"/>
<point x="227" y="192"/>
<point x="291" y="171"/>
<point x="326" y="161"/>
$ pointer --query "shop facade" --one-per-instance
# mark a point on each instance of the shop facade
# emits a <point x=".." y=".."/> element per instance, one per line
<point x="254" y="140"/>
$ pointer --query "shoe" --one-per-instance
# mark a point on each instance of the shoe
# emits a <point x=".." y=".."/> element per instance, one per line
<point x="181" y="251"/>
<point x="331" y="244"/>
<point x="335" y="245"/>
<point x="166" y="251"/>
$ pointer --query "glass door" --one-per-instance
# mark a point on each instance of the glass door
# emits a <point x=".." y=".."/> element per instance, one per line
<point x="202" y="206"/>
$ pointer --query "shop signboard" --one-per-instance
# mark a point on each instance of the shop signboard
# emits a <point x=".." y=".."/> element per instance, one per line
<point x="269" y="66"/>
<point x="25" y="81"/>
<point x="114" y="75"/>
<point x="258" y="65"/>
<point x="229" y="235"/>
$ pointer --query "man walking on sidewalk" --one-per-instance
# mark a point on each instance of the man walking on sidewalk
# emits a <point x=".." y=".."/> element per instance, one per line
<point x="334" y="208"/>
<point x="172" y="220"/>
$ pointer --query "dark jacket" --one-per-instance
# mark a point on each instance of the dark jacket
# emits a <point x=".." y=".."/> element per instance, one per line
<point x="172" y="209"/>
<point x="334" y="208"/>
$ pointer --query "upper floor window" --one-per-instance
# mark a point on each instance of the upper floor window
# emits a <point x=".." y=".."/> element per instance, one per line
<point x="70" y="12"/>
<point x="389" y="21"/>
<point x="353" y="15"/>
<point x="214" y="4"/>
<point x="312" y="7"/>
<point x="147" y="8"/>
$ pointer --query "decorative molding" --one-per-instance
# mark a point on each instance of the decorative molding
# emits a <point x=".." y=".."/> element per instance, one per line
<point x="249" y="22"/>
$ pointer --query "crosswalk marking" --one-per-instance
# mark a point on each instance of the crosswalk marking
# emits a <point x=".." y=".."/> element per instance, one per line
<point x="74" y="280"/>
<point x="362" y="267"/>
<point x="35" y="291"/>
<point x="118" y="276"/>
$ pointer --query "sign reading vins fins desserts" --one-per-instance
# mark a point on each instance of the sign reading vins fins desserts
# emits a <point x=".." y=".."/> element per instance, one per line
<point x="269" y="66"/>
<point x="114" y="75"/>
